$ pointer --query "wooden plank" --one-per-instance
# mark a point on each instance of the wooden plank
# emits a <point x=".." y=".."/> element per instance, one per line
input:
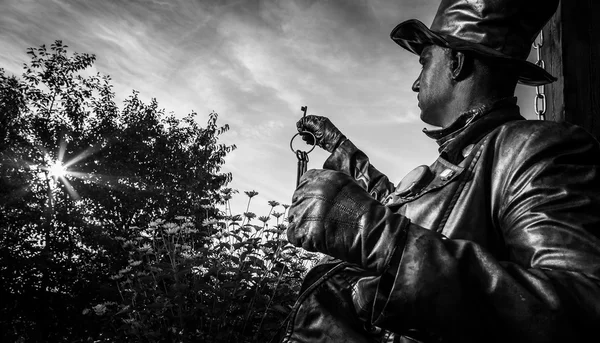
<point x="553" y="57"/>
<point x="572" y="53"/>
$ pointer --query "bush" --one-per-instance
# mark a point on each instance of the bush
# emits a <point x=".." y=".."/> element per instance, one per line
<point x="231" y="281"/>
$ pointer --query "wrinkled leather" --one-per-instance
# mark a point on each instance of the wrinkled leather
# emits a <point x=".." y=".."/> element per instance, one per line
<point x="325" y="303"/>
<point x="332" y="214"/>
<point x="506" y="250"/>
<point x="328" y="136"/>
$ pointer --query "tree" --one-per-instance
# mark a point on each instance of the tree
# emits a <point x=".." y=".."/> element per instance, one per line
<point x="122" y="168"/>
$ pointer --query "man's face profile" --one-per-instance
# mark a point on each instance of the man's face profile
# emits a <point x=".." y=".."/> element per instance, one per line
<point x="433" y="84"/>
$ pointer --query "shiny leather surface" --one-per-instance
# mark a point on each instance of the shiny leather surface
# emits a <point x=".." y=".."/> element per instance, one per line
<point x="507" y="26"/>
<point x="503" y="29"/>
<point x="332" y="214"/>
<point x="507" y="250"/>
<point x="328" y="136"/>
<point x="325" y="311"/>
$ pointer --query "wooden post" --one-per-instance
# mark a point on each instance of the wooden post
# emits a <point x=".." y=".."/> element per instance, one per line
<point x="572" y="53"/>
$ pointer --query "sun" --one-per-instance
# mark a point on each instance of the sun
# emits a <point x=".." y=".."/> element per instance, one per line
<point x="57" y="169"/>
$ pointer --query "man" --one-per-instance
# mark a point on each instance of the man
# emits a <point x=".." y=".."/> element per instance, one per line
<point x="497" y="241"/>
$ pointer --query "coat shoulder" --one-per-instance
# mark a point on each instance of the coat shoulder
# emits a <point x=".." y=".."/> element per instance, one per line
<point x="536" y="134"/>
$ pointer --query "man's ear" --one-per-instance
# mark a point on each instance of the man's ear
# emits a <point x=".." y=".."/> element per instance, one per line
<point x="459" y="66"/>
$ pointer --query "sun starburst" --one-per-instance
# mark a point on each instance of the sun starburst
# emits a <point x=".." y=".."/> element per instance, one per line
<point x="57" y="169"/>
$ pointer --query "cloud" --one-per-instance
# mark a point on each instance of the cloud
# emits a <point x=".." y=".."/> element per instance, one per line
<point x="255" y="62"/>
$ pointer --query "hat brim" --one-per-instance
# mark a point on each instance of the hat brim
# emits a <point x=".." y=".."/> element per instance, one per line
<point x="414" y="36"/>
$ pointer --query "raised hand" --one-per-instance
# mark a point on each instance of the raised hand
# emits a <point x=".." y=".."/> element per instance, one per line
<point x="328" y="136"/>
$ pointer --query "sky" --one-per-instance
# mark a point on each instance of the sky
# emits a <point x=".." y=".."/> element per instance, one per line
<point x="255" y="63"/>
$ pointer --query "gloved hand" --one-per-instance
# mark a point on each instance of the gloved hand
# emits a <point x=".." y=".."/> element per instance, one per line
<point x="332" y="214"/>
<point x="328" y="136"/>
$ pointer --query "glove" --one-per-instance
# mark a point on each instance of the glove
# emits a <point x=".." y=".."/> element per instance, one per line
<point x="332" y="214"/>
<point x="328" y="136"/>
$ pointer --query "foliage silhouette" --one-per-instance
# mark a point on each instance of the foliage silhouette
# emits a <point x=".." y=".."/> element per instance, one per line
<point x="131" y="244"/>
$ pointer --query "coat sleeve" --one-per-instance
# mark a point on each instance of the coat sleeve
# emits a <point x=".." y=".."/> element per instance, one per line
<point x="348" y="159"/>
<point x="546" y="203"/>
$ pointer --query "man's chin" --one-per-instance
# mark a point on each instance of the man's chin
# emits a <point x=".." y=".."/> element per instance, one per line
<point x="427" y="120"/>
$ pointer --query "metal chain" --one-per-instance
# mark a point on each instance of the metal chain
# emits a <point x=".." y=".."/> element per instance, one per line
<point x="540" y="91"/>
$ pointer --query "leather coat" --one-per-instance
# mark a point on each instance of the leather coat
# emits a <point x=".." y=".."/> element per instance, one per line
<point x="501" y="243"/>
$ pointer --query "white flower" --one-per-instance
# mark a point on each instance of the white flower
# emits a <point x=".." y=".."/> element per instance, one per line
<point x="100" y="309"/>
<point x="207" y="222"/>
<point x="199" y="270"/>
<point x="145" y="247"/>
<point x="170" y="225"/>
<point x="172" y="231"/>
<point x="125" y="270"/>
<point x="156" y="222"/>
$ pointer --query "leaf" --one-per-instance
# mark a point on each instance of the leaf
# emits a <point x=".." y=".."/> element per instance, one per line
<point x="257" y="261"/>
<point x="155" y="306"/>
<point x="183" y="272"/>
<point x="212" y="271"/>
<point x="229" y="285"/>
<point x="125" y="309"/>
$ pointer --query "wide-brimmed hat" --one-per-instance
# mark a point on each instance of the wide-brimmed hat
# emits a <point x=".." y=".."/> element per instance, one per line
<point x="504" y="29"/>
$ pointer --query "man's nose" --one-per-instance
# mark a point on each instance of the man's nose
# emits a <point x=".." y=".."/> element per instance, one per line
<point x="416" y="85"/>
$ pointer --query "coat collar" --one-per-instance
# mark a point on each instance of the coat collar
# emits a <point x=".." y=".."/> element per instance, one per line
<point x="472" y="125"/>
